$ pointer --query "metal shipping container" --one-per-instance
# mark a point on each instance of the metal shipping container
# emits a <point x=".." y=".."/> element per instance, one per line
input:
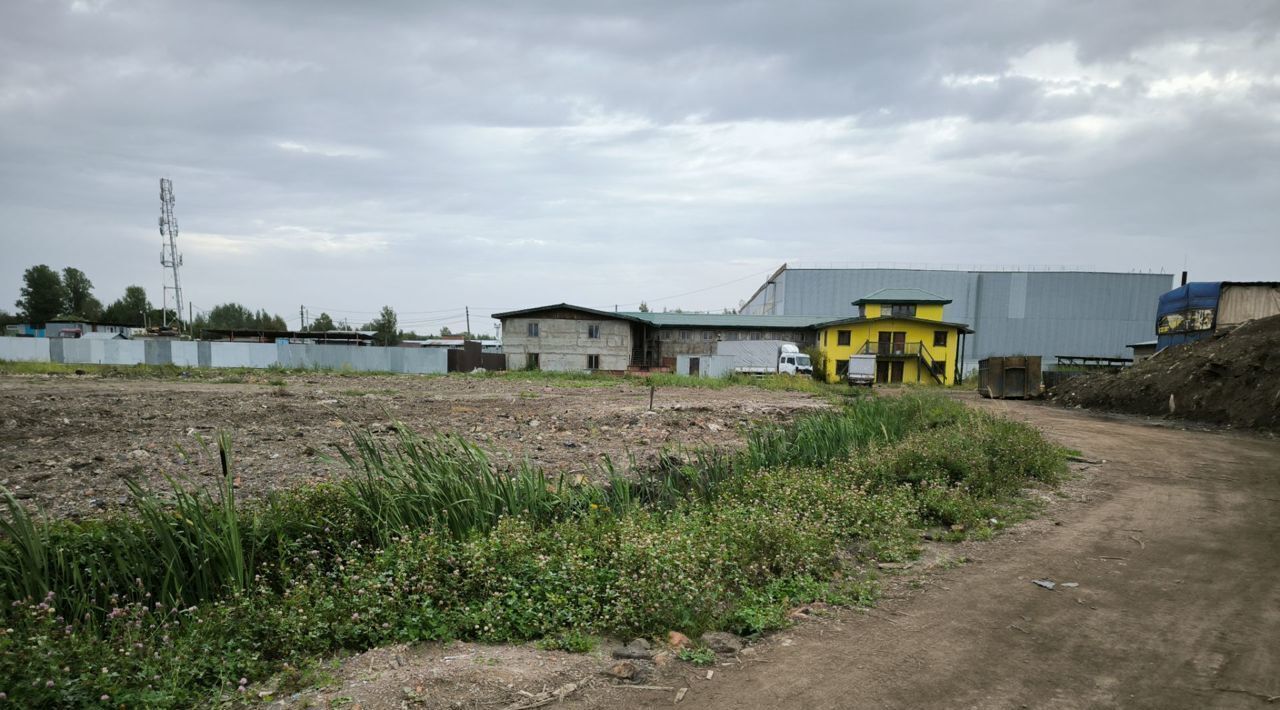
<point x="1009" y="377"/>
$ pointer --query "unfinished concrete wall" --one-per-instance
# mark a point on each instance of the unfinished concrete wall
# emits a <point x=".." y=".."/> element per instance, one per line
<point x="708" y="365"/>
<point x="243" y="354"/>
<point x="181" y="353"/>
<point x="422" y="361"/>
<point x="564" y="342"/>
<point x="24" y="349"/>
<point x="184" y="353"/>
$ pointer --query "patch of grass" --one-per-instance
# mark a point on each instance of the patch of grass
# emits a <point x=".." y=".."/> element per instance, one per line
<point x="363" y="392"/>
<point x="570" y="641"/>
<point x="427" y="539"/>
<point x="698" y="656"/>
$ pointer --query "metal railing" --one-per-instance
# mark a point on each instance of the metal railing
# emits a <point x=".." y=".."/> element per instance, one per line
<point x="914" y="349"/>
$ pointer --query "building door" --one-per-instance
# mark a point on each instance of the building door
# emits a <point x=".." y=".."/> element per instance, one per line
<point x="694" y="366"/>
<point x="895" y="371"/>
<point x="891" y="342"/>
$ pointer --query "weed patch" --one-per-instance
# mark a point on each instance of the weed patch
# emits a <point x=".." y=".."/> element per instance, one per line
<point x="427" y="539"/>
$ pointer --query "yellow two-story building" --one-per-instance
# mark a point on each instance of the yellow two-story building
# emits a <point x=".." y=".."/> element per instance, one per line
<point x="902" y="328"/>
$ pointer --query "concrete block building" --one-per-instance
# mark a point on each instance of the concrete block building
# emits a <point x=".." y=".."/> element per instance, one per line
<point x="568" y="338"/>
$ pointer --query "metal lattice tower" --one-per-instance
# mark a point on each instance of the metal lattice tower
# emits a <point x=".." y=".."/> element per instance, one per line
<point x="169" y="256"/>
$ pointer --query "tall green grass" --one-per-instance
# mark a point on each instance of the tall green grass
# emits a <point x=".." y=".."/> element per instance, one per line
<point x="445" y="483"/>
<point x="190" y="545"/>
<point x="427" y="538"/>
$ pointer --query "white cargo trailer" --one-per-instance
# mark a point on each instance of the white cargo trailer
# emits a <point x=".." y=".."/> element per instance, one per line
<point x="765" y="357"/>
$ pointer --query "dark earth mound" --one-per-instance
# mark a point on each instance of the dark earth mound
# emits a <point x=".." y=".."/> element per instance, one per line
<point x="1232" y="379"/>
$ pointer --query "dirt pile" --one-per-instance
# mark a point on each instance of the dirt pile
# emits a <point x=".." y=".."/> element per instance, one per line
<point x="1231" y="379"/>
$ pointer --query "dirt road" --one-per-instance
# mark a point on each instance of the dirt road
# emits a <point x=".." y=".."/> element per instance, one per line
<point x="1174" y="542"/>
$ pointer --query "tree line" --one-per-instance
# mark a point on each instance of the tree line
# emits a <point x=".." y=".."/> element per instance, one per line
<point x="51" y="296"/>
<point x="48" y="295"/>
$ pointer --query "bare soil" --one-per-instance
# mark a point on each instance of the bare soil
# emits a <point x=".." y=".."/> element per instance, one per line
<point x="1169" y="535"/>
<point x="1231" y="379"/>
<point x="67" y="443"/>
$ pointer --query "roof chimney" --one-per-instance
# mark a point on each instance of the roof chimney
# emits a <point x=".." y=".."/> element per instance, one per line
<point x="1184" y="278"/>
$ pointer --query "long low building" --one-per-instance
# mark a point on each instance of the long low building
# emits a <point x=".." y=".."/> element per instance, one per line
<point x="1045" y="313"/>
<point x="564" y="337"/>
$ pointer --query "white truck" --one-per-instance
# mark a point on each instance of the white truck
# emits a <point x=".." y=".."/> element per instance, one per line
<point x="862" y="370"/>
<point x="765" y="357"/>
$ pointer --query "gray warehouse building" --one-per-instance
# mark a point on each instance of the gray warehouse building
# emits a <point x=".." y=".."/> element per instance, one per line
<point x="1045" y="313"/>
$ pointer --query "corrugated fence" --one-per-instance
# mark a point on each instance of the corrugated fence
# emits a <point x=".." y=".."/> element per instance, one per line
<point x="186" y="353"/>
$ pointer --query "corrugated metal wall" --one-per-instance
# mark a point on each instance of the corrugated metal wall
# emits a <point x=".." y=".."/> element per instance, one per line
<point x="1013" y="313"/>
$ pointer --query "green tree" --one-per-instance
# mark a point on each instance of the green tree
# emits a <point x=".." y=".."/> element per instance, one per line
<point x="445" y="332"/>
<point x="43" y="295"/>
<point x="644" y="307"/>
<point x="384" y="327"/>
<point x="130" y="308"/>
<point x="322" y="323"/>
<point x="234" y="316"/>
<point x="265" y="321"/>
<point x="230" y="316"/>
<point x="79" y="292"/>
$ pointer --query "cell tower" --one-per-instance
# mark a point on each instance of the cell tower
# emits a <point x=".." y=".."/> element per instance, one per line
<point x="169" y="256"/>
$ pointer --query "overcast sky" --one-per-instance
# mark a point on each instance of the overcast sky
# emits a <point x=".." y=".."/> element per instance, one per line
<point x="346" y="155"/>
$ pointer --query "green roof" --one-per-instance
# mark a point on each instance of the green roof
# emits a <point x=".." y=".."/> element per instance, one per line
<point x="725" y="320"/>
<point x="962" y="327"/>
<point x="676" y="320"/>
<point x="901" y="295"/>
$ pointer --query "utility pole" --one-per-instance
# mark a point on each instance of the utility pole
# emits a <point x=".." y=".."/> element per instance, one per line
<point x="302" y="317"/>
<point x="468" y="311"/>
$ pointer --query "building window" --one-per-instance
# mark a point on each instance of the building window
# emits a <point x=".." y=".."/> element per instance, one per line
<point x="939" y="338"/>
<point x="593" y="331"/>
<point x="708" y="335"/>
<point x="904" y="310"/>
<point x="533" y="329"/>
<point x="862" y="310"/>
<point x="593" y="362"/>
<point x="940" y="368"/>
<point x="531" y="361"/>
<point x="684" y="335"/>
<point x="753" y="336"/>
<point x="844" y="337"/>
<point x="824" y="338"/>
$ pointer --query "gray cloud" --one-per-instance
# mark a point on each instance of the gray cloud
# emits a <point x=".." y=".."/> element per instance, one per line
<point x="505" y="154"/>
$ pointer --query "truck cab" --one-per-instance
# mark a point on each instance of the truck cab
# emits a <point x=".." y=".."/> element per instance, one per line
<point x="794" y="362"/>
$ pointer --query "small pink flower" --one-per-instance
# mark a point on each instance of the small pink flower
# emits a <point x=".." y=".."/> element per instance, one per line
<point x="105" y="697"/>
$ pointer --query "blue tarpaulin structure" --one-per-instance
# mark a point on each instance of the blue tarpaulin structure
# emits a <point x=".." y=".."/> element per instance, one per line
<point x="1187" y="313"/>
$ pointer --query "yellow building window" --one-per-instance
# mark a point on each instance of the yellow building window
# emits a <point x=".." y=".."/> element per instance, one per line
<point x="843" y="337"/>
